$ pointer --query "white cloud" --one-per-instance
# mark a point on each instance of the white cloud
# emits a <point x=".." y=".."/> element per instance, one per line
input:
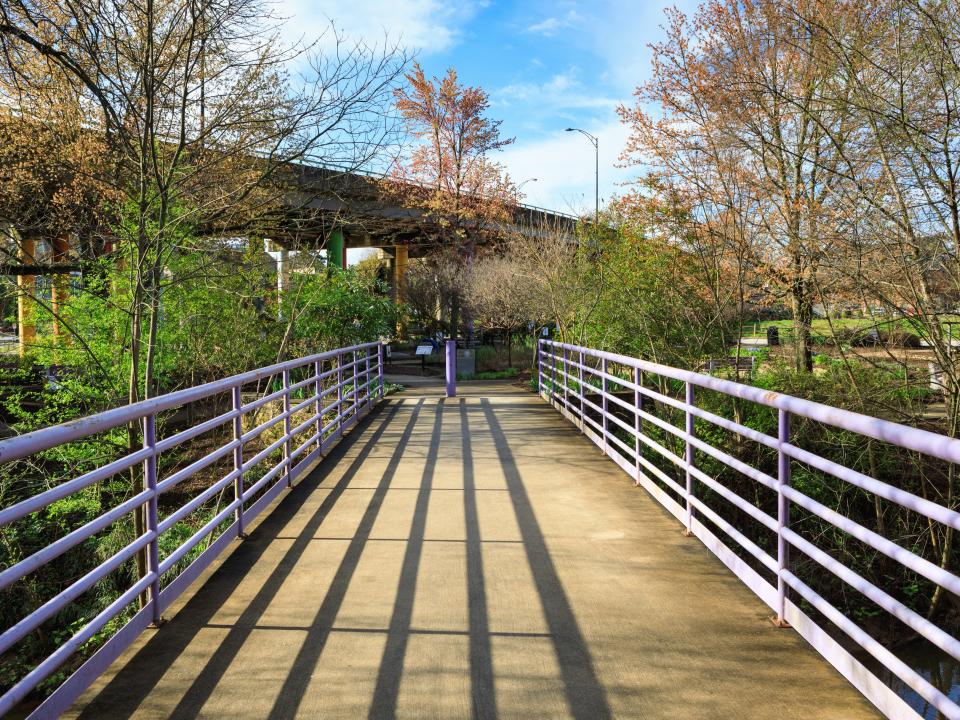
<point x="552" y="25"/>
<point x="425" y="25"/>
<point x="561" y="91"/>
<point x="563" y="164"/>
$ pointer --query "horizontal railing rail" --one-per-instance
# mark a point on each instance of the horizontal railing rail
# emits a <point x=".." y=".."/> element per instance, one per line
<point x="588" y="386"/>
<point x="339" y="387"/>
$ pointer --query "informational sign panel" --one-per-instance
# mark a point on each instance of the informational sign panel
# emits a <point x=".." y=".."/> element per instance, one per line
<point x="424" y="349"/>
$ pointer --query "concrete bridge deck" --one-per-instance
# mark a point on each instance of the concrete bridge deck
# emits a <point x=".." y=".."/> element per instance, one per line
<point x="473" y="557"/>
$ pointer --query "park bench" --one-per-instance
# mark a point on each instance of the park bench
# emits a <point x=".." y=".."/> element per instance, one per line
<point x="744" y="363"/>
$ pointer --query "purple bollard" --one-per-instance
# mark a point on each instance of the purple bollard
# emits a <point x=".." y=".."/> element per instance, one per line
<point x="451" y="368"/>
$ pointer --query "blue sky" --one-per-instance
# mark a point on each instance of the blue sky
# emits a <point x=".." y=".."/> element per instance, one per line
<point x="546" y="65"/>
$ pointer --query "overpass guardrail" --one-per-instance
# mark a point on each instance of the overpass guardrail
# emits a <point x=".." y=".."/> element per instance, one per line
<point x="625" y="406"/>
<point x="321" y="396"/>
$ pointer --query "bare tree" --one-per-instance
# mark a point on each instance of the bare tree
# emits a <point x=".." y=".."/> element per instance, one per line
<point x="563" y="269"/>
<point x="898" y="69"/>
<point x="430" y="285"/>
<point x="497" y="298"/>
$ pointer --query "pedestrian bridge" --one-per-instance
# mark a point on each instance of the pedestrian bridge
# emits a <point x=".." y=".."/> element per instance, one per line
<point x="473" y="556"/>
<point x="469" y="557"/>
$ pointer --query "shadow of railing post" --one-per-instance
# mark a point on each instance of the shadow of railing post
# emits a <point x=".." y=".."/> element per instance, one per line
<point x="585" y="695"/>
<point x="126" y="690"/>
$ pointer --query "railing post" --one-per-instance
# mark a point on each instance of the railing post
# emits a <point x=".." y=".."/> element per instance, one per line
<point x="688" y="456"/>
<point x="553" y="372"/>
<point x="603" y="395"/>
<point x="238" y="489"/>
<point x="355" y="395"/>
<point x="583" y="392"/>
<point x="150" y="480"/>
<point x="318" y="405"/>
<point x="286" y="428"/>
<point x="366" y="376"/>
<point x="451" y="368"/>
<point x="538" y="365"/>
<point x="381" y="384"/>
<point x="783" y="515"/>
<point x="339" y="394"/>
<point x="566" y="379"/>
<point x="637" y="424"/>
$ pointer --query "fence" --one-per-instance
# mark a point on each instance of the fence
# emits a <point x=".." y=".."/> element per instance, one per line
<point x="588" y="386"/>
<point x="334" y="389"/>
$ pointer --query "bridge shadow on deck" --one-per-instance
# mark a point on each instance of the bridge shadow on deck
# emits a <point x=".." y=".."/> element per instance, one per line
<point x="585" y="697"/>
<point x="136" y="679"/>
<point x="442" y="562"/>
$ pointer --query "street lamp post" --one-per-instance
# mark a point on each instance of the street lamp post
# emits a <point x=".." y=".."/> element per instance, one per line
<point x="596" y="177"/>
<point x="520" y="187"/>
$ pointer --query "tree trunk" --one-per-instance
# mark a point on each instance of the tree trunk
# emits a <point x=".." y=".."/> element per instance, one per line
<point x="802" y="303"/>
<point x="454" y="315"/>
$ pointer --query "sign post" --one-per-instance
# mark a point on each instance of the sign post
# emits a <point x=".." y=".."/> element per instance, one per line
<point x="423" y="351"/>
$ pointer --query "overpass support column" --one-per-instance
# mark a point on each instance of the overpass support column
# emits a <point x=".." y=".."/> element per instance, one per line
<point x="400" y="258"/>
<point x="337" y="250"/>
<point x="61" y="284"/>
<point x="26" y="292"/>
<point x="283" y="272"/>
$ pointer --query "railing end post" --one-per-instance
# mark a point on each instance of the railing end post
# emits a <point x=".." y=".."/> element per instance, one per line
<point x="536" y="363"/>
<point x="451" y="347"/>
<point x="380" y="372"/>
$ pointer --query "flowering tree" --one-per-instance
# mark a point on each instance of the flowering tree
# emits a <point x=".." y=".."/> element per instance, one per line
<point x="747" y="140"/>
<point x="462" y="194"/>
<point x="500" y="297"/>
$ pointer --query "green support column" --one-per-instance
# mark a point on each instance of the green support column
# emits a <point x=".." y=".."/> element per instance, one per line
<point x="336" y="250"/>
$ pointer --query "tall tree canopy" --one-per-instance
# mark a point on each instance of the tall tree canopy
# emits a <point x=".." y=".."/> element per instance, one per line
<point x="746" y="138"/>
<point x="448" y="173"/>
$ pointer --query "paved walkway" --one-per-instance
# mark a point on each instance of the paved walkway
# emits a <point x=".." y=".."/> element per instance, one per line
<point x="462" y="558"/>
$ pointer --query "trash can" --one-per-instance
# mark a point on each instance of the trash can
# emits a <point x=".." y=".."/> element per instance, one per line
<point x="466" y="363"/>
<point x="773" y="336"/>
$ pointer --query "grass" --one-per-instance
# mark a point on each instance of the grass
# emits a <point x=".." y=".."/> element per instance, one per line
<point x="822" y="326"/>
<point x="491" y="375"/>
<point x="391" y="388"/>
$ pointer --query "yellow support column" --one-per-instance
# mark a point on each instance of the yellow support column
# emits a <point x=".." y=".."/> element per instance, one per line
<point x="61" y="284"/>
<point x="399" y="271"/>
<point x="26" y="292"/>
<point x="400" y="258"/>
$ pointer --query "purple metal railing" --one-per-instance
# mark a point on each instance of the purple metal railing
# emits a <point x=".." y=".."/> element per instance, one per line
<point x="562" y="388"/>
<point x="340" y="394"/>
